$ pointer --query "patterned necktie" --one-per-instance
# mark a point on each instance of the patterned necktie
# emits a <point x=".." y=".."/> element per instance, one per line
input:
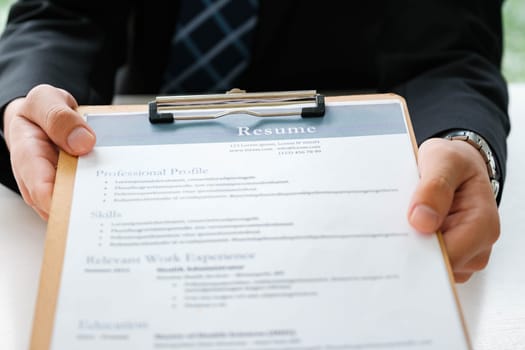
<point x="211" y="47"/>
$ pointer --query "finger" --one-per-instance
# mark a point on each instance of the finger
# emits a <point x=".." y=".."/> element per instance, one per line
<point x="34" y="158"/>
<point x="477" y="263"/>
<point x="441" y="173"/>
<point x="44" y="215"/>
<point x="54" y="111"/>
<point x="471" y="229"/>
<point x="41" y="186"/>
<point x="461" y="277"/>
<point x="22" y="187"/>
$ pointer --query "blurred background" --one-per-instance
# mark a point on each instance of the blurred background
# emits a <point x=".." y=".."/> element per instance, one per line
<point x="514" y="27"/>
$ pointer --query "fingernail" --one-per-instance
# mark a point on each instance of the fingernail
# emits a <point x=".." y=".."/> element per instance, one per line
<point x="424" y="218"/>
<point x="80" y="140"/>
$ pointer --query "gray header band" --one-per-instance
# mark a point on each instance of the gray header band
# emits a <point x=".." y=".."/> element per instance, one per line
<point x="339" y="121"/>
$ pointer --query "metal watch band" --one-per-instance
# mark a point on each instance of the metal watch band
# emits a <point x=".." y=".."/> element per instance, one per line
<point x="484" y="149"/>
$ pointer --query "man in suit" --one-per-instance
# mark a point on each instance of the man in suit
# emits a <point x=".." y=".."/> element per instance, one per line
<point x="443" y="56"/>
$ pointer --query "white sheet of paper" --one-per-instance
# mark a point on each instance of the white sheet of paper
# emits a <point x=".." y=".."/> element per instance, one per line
<point x="263" y="241"/>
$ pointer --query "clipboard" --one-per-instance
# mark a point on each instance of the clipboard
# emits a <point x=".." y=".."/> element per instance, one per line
<point x="160" y="111"/>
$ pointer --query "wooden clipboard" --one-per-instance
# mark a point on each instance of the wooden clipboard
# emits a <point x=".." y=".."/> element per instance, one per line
<point x="57" y="229"/>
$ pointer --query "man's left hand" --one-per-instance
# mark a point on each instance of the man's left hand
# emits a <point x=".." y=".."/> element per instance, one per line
<point x="454" y="196"/>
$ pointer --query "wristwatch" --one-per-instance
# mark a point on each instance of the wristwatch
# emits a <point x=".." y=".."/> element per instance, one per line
<point x="484" y="149"/>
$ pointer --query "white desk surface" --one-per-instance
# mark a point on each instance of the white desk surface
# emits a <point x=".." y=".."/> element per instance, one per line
<point x="493" y="300"/>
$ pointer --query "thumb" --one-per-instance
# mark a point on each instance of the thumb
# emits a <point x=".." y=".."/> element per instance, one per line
<point x="441" y="173"/>
<point x="53" y="110"/>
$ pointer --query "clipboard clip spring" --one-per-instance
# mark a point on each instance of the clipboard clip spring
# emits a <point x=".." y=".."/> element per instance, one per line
<point x="167" y="109"/>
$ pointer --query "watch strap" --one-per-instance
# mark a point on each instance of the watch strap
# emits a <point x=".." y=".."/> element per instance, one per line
<point x="484" y="149"/>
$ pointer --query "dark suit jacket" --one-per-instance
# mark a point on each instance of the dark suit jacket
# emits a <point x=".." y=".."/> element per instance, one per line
<point x="443" y="56"/>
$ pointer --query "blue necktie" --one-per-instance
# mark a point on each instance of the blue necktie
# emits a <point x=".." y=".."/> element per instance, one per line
<point x="211" y="47"/>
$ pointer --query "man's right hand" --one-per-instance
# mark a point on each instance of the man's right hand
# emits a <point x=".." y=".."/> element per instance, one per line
<point x="35" y="127"/>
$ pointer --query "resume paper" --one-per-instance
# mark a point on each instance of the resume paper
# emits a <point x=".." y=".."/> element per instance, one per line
<point x="251" y="233"/>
